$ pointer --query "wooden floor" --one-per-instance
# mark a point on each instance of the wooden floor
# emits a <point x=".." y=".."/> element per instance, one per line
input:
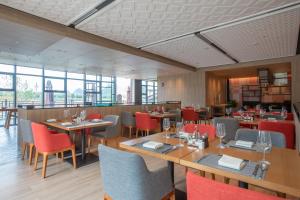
<point x="18" y="181"/>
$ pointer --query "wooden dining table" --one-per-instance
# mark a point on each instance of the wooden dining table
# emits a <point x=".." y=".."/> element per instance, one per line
<point x="161" y="117"/>
<point x="9" y="114"/>
<point x="282" y="175"/>
<point x="84" y="158"/>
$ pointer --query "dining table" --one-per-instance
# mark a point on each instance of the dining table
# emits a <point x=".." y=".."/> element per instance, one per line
<point x="255" y="122"/>
<point x="82" y="158"/>
<point x="281" y="176"/>
<point x="162" y="116"/>
<point x="9" y="114"/>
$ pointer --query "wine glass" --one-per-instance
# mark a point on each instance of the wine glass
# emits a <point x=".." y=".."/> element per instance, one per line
<point x="270" y="108"/>
<point x="228" y="111"/>
<point x="262" y="113"/>
<point x="264" y="143"/>
<point x="284" y="114"/>
<point x="221" y="134"/>
<point x="166" y="126"/>
<point x="83" y="115"/>
<point x="179" y="127"/>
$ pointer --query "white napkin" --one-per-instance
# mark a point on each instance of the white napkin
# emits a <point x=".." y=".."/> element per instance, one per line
<point x="51" y="120"/>
<point x="66" y="123"/>
<point x="153" y="145"/>
<point x="96" y="120"/>
<point x="242" y="143"/>
<point x="231" y="162"/>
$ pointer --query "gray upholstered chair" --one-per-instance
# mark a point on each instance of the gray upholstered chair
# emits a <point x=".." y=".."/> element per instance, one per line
<point x="231" y="126"/>
<point x="126" y="177"/>
<point x="278" y="139"/>
<point x="27" y="138"/>
<point x="127" y="121"/>
<point x="109" y="131"/>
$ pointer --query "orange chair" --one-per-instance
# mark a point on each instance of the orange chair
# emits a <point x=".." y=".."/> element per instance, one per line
<point x="202" y="128"/>
<point x="144" y="123"/>
<point x="199" y="188"/>
<point x="48" y="144"/>
<point x="189" y="115"/>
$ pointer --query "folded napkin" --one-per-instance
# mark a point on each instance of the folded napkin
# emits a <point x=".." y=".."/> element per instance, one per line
<point x="51" y="120"/>
<point x="242" y="143"/>
<point x="96" y="120"/>
<point x="66" y="124"/>
<point x="153" y="145"/>
<point x="231" y="162"/>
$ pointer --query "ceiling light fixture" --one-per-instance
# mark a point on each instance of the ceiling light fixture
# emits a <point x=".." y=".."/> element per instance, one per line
<point x="90" y="13"/>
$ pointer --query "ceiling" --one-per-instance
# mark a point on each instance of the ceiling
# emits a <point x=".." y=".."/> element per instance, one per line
<point x="233" y="31"/>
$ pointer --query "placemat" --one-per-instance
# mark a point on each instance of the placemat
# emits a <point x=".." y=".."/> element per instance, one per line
<point x="211" y="160"/>
<point x="166" y="148"/>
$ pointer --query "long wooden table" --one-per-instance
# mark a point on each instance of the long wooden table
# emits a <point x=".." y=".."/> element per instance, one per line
<point x="9" y="114"/>
<point x="282" y="176"/>
<point x="84" y="159"/>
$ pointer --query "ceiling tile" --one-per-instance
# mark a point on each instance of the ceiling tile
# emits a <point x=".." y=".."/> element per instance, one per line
<point x="61" y="11"/>
<point x="271" y="36"/>
<point x="190" y="50"/>
<point x="142" y="22"/>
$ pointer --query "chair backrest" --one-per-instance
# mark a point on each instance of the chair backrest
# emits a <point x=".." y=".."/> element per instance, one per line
<point x="127" y="119"/>
<point x="231" y="126"/>
<point x="42" y="137"/>
<point x="202" y="188"/>
<point x="189" y="114"/>
<point x="202" y="128"/>
<point x="143" y="120"/>
<point x="288" y="130"/>
<point x="112" y="131"/>
<point x="94" y="116"/>
<point x="26" y="131"/>
<point x="278" y="139"/>
<point x="125" y="175"/>
<point x="178" y="114"/>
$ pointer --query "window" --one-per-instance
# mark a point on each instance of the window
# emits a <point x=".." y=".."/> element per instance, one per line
<point x="124" y="90"/>
<point x="107" y="90"/>
<point x="54" y="88"/>
<point x="7" y="68"/>
<point x="149" y="92"/>
<point x="29" y="90"/>
<point x="74" y="91"/>
<point x="52" y="73"/>
<point x="6" y="81"/>
<point x="29" y="71"/>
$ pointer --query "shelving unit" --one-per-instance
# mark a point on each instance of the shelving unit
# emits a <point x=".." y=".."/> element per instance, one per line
<point x="251" y="93"/>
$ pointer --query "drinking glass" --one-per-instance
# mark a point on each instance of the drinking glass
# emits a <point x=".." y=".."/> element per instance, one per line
<point x="263" y="144"/>
<point x="270" y="108"/>
<point x="228" y="111"/>
<point x="67" y="114"/>
<point x="284" y="114"/>
<point x="166" y="126"/>
<point x="262" y="113"/>
<point x="179" y="127"/>
<point x="221" y="134"/>
<point x="83" y="115"/>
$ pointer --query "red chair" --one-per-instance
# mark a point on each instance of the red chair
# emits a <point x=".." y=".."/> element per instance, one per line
<point x="189" y="115"/>
<point x="200" y="188"/>
<point x="202" y="128"/>
<point x="287" y="128"/>
<point x="48" y="144"/>
<point x="144" y="123"/>
<point x="88" y="130"/>
<point x="290" y="117"/>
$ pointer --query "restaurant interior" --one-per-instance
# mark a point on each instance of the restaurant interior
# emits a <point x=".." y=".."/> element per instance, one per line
<point x="149" y="99"/>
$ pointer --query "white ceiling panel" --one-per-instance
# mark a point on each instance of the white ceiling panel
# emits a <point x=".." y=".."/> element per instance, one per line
<point x="190" y="50"/>
<point x="142" y="22"/>
<point x="61" y="11"/>
<point x="267" y="37"/>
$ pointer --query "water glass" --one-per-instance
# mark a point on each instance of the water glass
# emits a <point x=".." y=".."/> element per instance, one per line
<point x="166" y="126"/>
<point x="221" y="134"/>
<point x="228" y="111"/>
<point x="67" y="114"/>
<point x="179" y="129"/>
<point x="264" y="143"/>
<point x="83" y="115"/>
<point x="284" y="114"/>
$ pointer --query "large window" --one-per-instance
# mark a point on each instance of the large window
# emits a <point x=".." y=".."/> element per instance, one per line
<point x="75" y="89"/>
<point x="107" y="90"/>
<point x="29" y="86"/>
<point x="54" y="88"/>
<point x="149" y="92"/>
<point x="124" y="90"/>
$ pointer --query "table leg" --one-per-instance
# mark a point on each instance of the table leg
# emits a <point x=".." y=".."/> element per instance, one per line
<point x="243" y="185"/>
<point x="83" y="141"/>
<point x="161" y="124"/>
<point x="171" y="168"/>
<point x="7" y="120"/>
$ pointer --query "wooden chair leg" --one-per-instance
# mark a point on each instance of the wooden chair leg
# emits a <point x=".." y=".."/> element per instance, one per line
<point x="137" y="132"/>
<point x="23" y="150"/>
<point x="147" y="132"/>
<point x="226" y="180"/>
<point x="280" y="194"/>
<point x="62" y="156"/>
<point x="170" y="196"/>
<point x="45" y="160"/>
<point x="202" y="173"/>
<point x="36" y="157"/>
<point x="30" y="153"/>
<point x="74" y="157"/>
<point x="130" y="131"/>
<point x="106" y="197"/>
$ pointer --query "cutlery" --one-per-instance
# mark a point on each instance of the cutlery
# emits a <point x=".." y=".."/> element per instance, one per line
<point x="255" y="170"/>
